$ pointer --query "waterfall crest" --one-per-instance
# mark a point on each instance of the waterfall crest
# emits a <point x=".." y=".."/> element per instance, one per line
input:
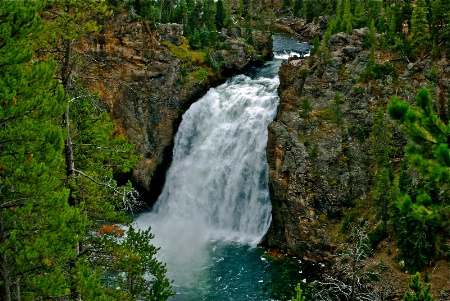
<point x="216" y="187"/>
<point x="215" y="203"/>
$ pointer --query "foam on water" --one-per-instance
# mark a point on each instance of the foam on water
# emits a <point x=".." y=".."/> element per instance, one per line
<point x="216" y="190"/>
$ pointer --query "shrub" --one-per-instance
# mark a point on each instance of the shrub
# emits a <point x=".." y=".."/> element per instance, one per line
<point x="377" y="235"/>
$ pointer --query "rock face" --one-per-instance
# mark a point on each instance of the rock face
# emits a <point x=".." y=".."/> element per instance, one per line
<point x="301" y="29"/>
<point x="147" y="88"/>
<point x="320" y="159"/>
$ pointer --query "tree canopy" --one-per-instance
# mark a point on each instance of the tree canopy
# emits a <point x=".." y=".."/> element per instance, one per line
<point x="64" y="218"/>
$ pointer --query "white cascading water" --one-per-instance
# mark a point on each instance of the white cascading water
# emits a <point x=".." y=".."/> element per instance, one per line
<point x="216" y="188"/>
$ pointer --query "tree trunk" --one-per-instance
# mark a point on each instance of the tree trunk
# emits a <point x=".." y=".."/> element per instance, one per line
<point x="443" y="106"/>
<point x="354" y="274"/>
<point x="68" y="154"/>
<point x="5" y="293"/>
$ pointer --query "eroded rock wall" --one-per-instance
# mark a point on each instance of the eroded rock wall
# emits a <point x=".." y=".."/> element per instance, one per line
<point x="144" y="87"/>
<point x="320" y="164"/>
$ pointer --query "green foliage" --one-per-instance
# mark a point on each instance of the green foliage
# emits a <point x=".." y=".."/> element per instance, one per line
<point x="416" y="238"/>
<point x="314" y="151"/>
<point x="381" y="140"/>
<point x="433" y="75"/>
<point x="298" y="294"/>
<point x="316" y="46"/>
<point x="336" y="109"/>
<point x="381" y="71"/>
<point x="51" y="209"/>
<point x="420" y="38"/>
<point x="297" y="7"/>
<point x="420" y="207"/>
<point x="306" y="107"/>
<point x="130" y="265"/>
<point x="38" y="229"/>
<point x="377" y="235"/>
<point x="221" y="15"/>
<point x="419" y="293"/>
<point x="368" y="72"/>
<point x="187" y="54"/>
<point x="348" y="221"/>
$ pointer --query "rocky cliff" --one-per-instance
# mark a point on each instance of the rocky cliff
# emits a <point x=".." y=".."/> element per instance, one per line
<point x="320" y="163"/>
<point x="149" y="77"/>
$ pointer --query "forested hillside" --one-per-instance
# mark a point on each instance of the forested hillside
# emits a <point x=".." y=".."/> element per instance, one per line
<point x="66" y="233"/>
<point x="359" y="153"/>
<point x="359" y="146"/>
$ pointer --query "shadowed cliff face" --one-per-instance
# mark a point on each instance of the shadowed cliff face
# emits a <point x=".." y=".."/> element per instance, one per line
<point x="320" y="161"/>
<point x="146" y="87"/>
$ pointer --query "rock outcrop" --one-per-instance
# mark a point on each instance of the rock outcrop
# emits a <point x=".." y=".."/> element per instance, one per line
<point x="149" y="78"/>
<point x="304" y="31"/>
<point x="319" y="158"/>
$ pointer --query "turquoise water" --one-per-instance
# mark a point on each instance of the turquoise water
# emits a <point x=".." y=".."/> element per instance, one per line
<point x="215" y="208"/>
<point x="242" y="272"/>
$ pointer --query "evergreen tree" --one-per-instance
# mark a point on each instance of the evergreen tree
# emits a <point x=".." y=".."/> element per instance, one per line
<point x="336" y="109"/>
<point x="221" y="15"/>
<point x="419" y="212"/>
<point x="95" y="152"/>
<point x="347" y="18"/>
<point x="309" y="10"/>
<point x="38" y="229"/>
<point x="298" y="4"/>
<point x="287" y="4"/>
<point x="131" y="263"/>
<point x="392" y="31"/>
<point x="209" y="15"/>
<point x="419" y="293"/>
<point x="306" y="107"/>
<point x="180" y="14"/>
<point x="381" y="140"/>
<point x="382" y="196"/>
<point x="428" y="149"/>
<point x="359" y="18"/>
<point x="420" y="38"/>
<point x="298" y="294"/>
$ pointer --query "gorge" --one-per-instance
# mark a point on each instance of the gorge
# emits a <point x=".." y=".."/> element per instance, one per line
<point x="145" y="141"/>
<point x="215" y="207"/>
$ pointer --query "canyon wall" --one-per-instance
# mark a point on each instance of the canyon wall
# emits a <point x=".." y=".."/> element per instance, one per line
<point x="149" y="77"/>
<point x="320" y="161"/>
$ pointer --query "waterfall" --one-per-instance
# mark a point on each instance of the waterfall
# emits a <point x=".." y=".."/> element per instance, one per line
<point x="216" y="191"/>
<point x="216" y="187"/>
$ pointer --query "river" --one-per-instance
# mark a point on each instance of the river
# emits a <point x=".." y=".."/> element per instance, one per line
<point x="215" y="206"/>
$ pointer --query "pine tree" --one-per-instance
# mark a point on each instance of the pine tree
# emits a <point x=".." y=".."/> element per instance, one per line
<point x="298" y="4"/>
<point x="419" y="293"/>
<point x="209" y="14"/>
<point x="336" y="109"/>
<point x="131" y="263"/>
<point x="359" y="19"/>
<point x="95" y="152"/>
<point x="306" y="107"/>
<point x="221" y="15"/>
<point x="382" y="195"/>
<point x="298" y="294"/>
<point x="420" y="211"/>
<point x="287" y="4"/>
<point x="428" y="149"/>
<point x="180" y="13"/>
<point x="347" y="18"/>
<point x="381" y="140"/>
<point x="38" y="229"/>
<point x="420" y="38"/>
